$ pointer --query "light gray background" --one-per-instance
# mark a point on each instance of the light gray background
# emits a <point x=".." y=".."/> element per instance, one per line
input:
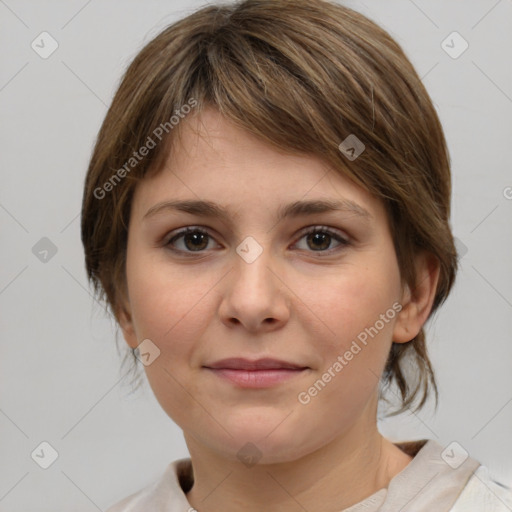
<point x="59" y="369"/>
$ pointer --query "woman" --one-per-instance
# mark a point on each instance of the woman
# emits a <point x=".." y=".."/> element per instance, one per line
<point x="266" y="213"/>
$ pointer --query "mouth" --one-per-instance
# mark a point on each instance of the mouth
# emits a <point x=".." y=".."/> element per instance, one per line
<point x="261" y="373"/>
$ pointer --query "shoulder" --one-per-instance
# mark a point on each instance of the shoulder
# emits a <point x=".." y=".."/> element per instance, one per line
<point x="447" y="479"/>
<point x="165" y="494"/>
<point x="484" y="494"/>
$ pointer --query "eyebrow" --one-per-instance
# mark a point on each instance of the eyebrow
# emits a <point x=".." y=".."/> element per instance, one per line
<point x="295" y="209"/>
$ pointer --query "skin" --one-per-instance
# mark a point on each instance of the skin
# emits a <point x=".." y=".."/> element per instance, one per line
<point x="301" y="301"/>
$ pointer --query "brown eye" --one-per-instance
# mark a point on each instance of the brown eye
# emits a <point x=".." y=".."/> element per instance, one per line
<point x="320" y="239"/>
<point x="192" y="240"/>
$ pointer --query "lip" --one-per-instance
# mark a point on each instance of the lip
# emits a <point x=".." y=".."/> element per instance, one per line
<point x="241" y="363"/>
<point x="260" y="373"/>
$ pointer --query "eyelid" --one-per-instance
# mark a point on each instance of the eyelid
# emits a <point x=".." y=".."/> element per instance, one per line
<point x="320" y="227"/>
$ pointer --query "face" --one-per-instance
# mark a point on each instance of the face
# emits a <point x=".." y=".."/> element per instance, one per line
<point x="309" y="302"/>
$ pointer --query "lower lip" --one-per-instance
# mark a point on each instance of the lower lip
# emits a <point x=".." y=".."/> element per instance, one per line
<point x="256" y="378"/>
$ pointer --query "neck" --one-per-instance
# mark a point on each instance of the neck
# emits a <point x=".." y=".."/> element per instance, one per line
<point x="336" y="476"/>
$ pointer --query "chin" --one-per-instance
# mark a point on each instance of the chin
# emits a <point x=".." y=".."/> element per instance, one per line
<point x="268" y="440"/>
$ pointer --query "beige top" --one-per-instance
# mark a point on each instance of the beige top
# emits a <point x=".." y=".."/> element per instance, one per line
<point x="437" y="478"/>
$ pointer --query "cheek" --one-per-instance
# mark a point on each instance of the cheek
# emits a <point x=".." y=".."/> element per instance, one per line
<point x="353" y="347"/>
<point x="173" y="314"/>
<point x="347" y="303"/>
<point x="355" y="308"/>
<point x="163" y="302"/>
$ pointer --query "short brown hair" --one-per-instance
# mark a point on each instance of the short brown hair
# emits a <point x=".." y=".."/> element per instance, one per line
<point x="301" y="75"/>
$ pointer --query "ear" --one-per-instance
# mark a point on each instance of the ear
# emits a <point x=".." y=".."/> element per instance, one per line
<point x="417" y="302"/>
<point x="124" y="317"/>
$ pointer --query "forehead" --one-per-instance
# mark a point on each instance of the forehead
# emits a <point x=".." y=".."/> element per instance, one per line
<point x="215" y="160"/>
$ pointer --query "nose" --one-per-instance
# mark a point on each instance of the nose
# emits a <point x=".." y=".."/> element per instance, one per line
<point x="254" y="295"/>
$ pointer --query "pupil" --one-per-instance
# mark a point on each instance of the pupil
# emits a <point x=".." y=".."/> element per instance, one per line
<point x="195" y="237"/>
<point x="319" y="237"/>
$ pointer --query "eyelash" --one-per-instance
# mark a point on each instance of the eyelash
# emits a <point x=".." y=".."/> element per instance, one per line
<point x="343" y="242"/>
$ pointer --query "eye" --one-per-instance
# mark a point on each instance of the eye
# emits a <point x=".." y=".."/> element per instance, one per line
<point x="320" y="238"/>
<point x="195" y="239"/>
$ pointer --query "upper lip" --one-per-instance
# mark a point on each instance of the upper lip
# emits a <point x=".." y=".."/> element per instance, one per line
<point x="240" y="363"/>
